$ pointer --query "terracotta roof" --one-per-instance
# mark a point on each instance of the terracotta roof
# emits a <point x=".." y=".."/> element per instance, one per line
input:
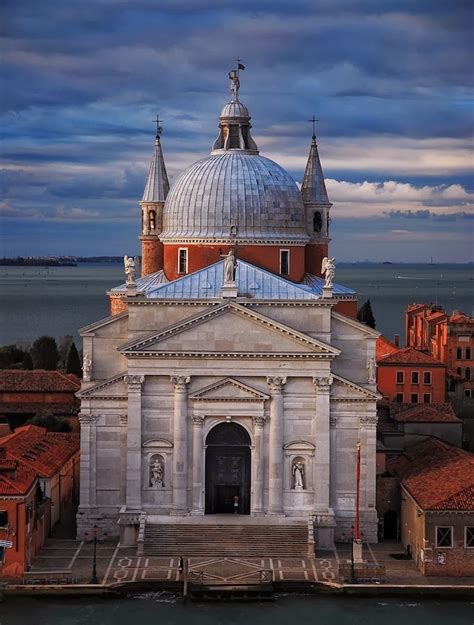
<point x="44" y="452"/>
<point x="460" y="317"/>
<point x="384" y="347"/>
<point x="412" y="307"/>
<point x="424" y="413"/>
<point x="21" y="407"/>
<point x="439" y="476"/>
<point x="410" y="356"/>
<point x="38" y="380"/>
<point x="17" y="482"/>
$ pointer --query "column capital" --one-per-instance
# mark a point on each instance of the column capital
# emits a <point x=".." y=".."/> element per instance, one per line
<point x="259" y="421"/>
<point x="180" y="382"/>
<point x="369" y="422"/>
<point x="197" y="420"/>
<point x="323" y="384"/>
<point x="87" y="419"/>
<point x="276" y="384"/>
<point x="134" y="381"/>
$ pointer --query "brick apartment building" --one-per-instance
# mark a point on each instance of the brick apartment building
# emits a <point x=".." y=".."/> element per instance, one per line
<point x="409" y="376"/>
<point x="39" y="481"/>
<point x="448" y="338"/>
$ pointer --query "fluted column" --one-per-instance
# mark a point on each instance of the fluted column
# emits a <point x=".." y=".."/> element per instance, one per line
<point x="257" y="478"/>
<point x="134" y="442"/>
<point x="87" y="477"/>
<point x="322" y="473"/>
<point x="368" y="440"/>
<point x="197" y="507"/>
<point x="275" y="473"/>
<point x="180" y="442"/>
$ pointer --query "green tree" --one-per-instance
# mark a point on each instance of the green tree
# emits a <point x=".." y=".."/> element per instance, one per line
<point x="27" y="362"/>
<point x="63" y="349"/>
<point x="50" y="422"/>
<point x="11" y="357"/>
<point x="45" y="353"/>
<point x="365" y="314"/>
<point x="73" y="362"/>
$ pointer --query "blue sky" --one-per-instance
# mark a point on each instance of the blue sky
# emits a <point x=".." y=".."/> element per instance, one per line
<point x="389" y="80"/>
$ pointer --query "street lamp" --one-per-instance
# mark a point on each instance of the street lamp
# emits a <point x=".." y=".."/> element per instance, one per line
<point x="95" y="529"/>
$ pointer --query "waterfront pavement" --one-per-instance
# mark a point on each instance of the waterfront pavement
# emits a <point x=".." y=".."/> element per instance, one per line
<point x="118" y="564"/>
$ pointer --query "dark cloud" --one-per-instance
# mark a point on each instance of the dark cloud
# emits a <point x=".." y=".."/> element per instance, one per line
<point x="427" y="214"/>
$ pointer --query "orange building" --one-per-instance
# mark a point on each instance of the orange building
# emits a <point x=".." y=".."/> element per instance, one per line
<point x="38" y="481"/>
<point x="410" y="376"/>
<point x="448" y="338"/>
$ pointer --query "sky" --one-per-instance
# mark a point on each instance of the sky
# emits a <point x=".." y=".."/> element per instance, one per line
<point x="390" y="82"/>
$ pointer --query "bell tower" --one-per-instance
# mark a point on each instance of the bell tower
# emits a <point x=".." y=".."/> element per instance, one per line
<point x="152" y="204"/>
<point x="317" y="206"/>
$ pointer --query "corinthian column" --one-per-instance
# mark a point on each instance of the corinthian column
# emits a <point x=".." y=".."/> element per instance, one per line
<point x="257" y="475"/>
<point x="275" y="474"/>
<point x="134" y="442"/>
<point x="322" y="473"/>
<point x="180" y="441"/>
<point x="197" y="507"/>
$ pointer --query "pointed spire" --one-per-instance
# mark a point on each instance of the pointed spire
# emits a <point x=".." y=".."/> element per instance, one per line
<point x="157" y="185"/>
<point x="313" y="188"/>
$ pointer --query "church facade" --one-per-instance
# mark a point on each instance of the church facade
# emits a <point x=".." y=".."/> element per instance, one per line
<point x="231" y="377"/>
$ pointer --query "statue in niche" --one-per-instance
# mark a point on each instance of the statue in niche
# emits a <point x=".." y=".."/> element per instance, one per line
<point x="328" y="268"/>
<point x="157" y="473"/>
<point x="371" y="371"/>
<point x="229" y="268"/>
<point x="298" y="475"/>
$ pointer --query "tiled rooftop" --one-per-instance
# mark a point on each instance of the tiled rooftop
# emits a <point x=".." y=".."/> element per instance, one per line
<point x="44" y="452"/>
<point x="424" y="413"/>
<point x="439" y="476"/>
<point x="409" y="356"/>
<point x="38" y="380"/>
<point x="384" y="347"/>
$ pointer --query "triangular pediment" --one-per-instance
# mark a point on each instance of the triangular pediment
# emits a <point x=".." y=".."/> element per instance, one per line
<point x="228" y="389"/>
<point x="112" y="388"/>
<point x="229" y="329"/>
<point x="345" y="390"/>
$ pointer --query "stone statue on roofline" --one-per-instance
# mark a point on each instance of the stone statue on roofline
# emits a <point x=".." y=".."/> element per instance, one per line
<point x="234" y="84"/>
<point x="230" y="265"/>
<point x="86" y="367"/>
<point x="328" y="269"/>
<point x="130" y="265"/>
<point x="371" y="371"/>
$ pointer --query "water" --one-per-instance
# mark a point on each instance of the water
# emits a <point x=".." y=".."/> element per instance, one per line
<point x="60" y="300"/>
<point x="312" y="610"/>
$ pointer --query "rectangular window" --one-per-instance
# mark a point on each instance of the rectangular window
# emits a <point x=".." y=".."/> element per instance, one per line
<point x="415" y="377"/>
<point x="399" y="399"/>
<point x="427" y="377"/>
<point x="469" y="537"/>
<point x="183" y="260"/>
<point x="414" y="398"/>
<point x="284" y="262"/>
<point x="2" y="555"/>
<point x="400" y="377"/>
<point x="444" y="537"/>
<point x="3" y="518"/>
<point x="467" y="353"/>
<point x="427" y="398"/>
<point x="468" y="393"/>
<point x="459" y="353"/>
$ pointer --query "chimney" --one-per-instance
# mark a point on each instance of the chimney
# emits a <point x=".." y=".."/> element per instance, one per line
<point x="396" y="340"/>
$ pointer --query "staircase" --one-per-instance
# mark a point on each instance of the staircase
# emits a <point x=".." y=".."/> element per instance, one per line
<point x="227" y="540"/>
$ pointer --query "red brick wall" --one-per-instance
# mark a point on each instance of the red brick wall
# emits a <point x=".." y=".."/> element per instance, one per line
<point x="117" y="305"/>
<point x="348" y="308"/>
<point x="314" y="254"/>
<point x="152" y="255"/>
<point x="458" y="561"/>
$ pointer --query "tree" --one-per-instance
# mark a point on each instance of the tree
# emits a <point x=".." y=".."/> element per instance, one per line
<point x="27" y="362"/>
<point x="50" y="422"/>
<point x="73" y="362"/>
<point x="11" y="357"/>
<point x="45" y="353"/>
<point x="365" y="314"/>
<point x="63" y="349"/>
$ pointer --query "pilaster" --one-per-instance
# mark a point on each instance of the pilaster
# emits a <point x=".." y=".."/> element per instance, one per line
<point x="180" y="441"/>
<point x="134" y="442"/>
<point x="258" y="468"/>
<point x="197" y="503"/>
<point x="275" y="472"/>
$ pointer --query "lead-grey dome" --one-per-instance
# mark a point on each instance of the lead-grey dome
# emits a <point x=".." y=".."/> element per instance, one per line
<point x="234" y="189"/>
<point x="235" y="109"/>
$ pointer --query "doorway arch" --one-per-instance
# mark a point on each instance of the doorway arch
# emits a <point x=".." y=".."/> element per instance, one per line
<point x="228" y="469"/>
<point x="390" y="525"/>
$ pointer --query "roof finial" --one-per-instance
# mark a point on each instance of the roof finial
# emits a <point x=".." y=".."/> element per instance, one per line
<point x="313" y="120"/>
<point x="159" y="128"/>
<point x="235" y="81"/>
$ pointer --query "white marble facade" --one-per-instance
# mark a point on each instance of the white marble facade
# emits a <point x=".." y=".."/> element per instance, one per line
<point x="293" y="374"/>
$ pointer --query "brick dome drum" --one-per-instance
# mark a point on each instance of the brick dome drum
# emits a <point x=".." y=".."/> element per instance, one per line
<point x="234" y="192"/>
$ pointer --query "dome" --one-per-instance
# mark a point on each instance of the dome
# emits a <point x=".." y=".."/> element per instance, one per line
<point x="234" y="189"/>
<point x="235" y="109"/>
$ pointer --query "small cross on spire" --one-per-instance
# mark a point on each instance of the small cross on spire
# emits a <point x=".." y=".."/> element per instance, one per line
<point x="159" y="129"/>
<point x="313" y="120"/>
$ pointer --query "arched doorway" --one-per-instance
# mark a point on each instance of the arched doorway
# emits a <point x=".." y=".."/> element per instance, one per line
<point x="390" y="525"/>
<point x="227" y="469"/>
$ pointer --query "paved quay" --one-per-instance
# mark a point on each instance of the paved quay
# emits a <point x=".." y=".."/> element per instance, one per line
<point x="70" y="561"/>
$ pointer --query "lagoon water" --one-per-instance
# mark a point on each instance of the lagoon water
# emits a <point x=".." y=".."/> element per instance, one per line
<point x="59" y="300"/>
<point x="302" y="610"/>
